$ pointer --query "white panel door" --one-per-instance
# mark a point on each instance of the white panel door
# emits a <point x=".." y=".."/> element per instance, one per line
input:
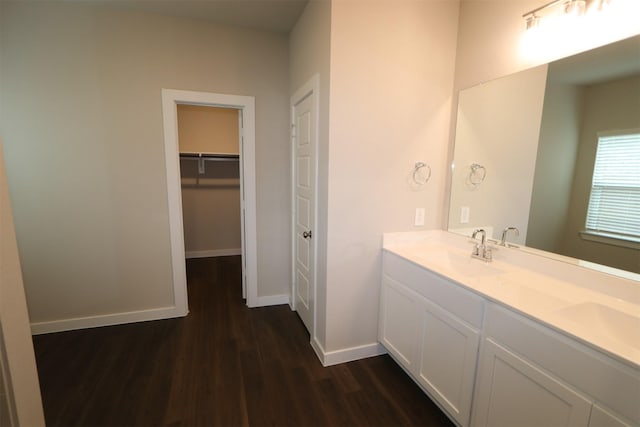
<point x="512" y="392"/>
<point x="304" y="177"/>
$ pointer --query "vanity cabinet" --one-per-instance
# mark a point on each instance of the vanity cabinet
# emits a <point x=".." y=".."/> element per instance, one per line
<point x="486" y="364"/>
<point x="432" y="330"/>
<point x="529" y="374"/>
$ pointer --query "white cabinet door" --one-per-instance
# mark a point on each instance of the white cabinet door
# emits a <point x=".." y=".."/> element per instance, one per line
<point x="512" y="392"/>
<point x="399" y="321"/>
<point x="600" y="417"/>
<point x="447" y="360"/>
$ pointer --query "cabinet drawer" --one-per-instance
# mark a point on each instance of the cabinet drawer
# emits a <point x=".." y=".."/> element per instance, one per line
<point x="447" y="294"/>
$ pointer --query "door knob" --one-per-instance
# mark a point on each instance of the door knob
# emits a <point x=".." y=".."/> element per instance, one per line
<point x="307" y="234"/>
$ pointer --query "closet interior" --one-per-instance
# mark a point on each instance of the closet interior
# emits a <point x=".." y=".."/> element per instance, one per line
<point x="208" y="140"/>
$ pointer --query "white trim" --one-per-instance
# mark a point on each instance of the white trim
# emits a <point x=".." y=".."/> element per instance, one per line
<point x="610" y="239"/>
<point x="170" y="99"/>
<point x="213" y="253"/>
<point x="104" y="320"/>
<point x="310" y="87"/>
<point x="272" y="300"/>
<point x="347" y="354"/>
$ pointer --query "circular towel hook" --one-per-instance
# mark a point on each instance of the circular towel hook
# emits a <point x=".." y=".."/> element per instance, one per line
<point x="421" y="173"/>
<point x="477" y="175"/>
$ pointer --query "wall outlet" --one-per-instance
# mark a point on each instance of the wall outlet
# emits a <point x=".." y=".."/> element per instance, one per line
<point x="464" y="215"/>
<point x="419" y="221"/>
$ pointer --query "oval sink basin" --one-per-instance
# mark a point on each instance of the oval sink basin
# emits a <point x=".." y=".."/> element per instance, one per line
<point x="600" y="318"/>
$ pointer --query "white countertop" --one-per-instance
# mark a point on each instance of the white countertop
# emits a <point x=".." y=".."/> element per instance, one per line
<point x="600" y="310"/>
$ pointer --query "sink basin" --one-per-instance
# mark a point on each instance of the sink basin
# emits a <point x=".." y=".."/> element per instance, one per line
<point x="459" y="263"/>
<point x="600" y="318"/>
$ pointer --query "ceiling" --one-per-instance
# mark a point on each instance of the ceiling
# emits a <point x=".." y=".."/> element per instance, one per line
<point x="268" y="15"/>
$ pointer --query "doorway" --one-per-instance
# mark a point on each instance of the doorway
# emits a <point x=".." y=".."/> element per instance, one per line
<point x="245" y="106"/>
<point x="209" y="146"/>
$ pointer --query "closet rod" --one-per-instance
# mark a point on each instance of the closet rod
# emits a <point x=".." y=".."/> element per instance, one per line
<point x="202" y="157"/>
<point x="211" y="156"/>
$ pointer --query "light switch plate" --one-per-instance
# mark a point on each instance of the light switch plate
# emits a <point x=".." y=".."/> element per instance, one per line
<point x="419" y="221"/>
<point x="464" y="215"/>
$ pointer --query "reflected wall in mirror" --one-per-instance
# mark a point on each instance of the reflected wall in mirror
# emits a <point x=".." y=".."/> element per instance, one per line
<point x="536" y="134"/>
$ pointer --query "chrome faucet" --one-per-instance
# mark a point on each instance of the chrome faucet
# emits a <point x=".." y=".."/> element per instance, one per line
<point x="481" y="250"/>
<point x="503" y="240"/>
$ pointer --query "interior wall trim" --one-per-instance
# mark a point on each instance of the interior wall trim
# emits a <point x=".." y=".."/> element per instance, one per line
<point x="46" y="327"/>
<point x="272" y="300"/>
<point x="330" y="358"/>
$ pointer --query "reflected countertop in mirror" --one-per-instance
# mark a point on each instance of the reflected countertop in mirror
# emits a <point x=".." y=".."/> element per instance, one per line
<point x="535" y="135"/>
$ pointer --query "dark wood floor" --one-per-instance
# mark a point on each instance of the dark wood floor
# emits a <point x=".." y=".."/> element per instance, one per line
<point x="223" y="365"/>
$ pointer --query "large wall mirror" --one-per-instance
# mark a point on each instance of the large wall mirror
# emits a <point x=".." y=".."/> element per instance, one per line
<point x="525" y="150"/>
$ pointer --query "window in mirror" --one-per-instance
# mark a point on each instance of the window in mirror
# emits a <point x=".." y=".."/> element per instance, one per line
<point x="614" y="204"/>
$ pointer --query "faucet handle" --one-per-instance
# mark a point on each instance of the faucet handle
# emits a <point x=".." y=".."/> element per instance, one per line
<point x="503" y="240"/>
<point x="476" y="249"/>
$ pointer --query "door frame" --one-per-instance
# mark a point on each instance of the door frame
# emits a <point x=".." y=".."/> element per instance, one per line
<point x="311" y="87"/>
<point x="246" y="105"/>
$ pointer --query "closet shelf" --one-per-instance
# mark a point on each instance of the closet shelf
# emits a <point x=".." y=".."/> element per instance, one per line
<point x="214" y="157"/>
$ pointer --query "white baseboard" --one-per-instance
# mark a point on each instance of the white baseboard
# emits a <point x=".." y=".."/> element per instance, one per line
<point x="272" y="300"/>
<point x="38" y="328"/>
<point x="212" y="253"/>
<point x="348" y="354"/>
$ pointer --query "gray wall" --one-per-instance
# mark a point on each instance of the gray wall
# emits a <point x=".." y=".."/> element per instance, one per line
<point x="82" y="126"/>
<point x="555" y="164"/>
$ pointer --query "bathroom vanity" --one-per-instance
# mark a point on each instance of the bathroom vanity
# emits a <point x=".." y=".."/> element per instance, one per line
<point x="521" y="340"/>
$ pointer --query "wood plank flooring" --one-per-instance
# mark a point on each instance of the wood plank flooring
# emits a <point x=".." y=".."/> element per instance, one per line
<point x="223" y="365"/>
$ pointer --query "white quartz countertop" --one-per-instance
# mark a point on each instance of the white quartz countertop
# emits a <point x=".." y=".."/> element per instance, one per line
<point x="601" y="310"/>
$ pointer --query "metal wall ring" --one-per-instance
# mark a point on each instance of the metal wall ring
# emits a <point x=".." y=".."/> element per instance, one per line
<point x="418" y="177"/>
<point x="478" y="174"/>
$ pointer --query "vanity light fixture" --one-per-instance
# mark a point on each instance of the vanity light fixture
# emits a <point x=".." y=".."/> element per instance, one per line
<point x="533" y="21"/>
<point x="602" y="4"/>
<point x="575" y="7"/>
<point x="567" y="7"/>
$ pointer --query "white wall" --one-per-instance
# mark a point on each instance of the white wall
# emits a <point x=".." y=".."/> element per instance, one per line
<point x="392" y="65"/>
<point x="309" y="50"/>
<point x="82" y="124"/>
<point x="19" y="364"/>
<point x="491" y="35"/>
